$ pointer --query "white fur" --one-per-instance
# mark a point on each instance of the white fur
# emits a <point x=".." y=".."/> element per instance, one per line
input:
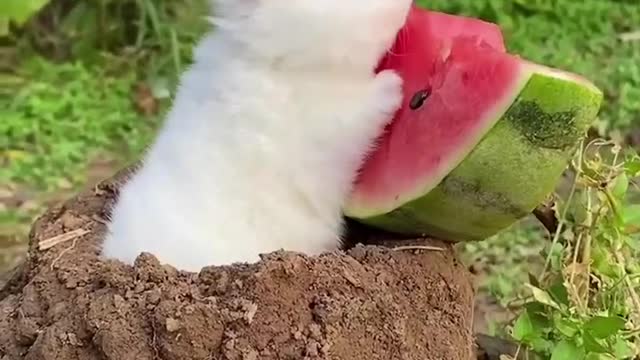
<point x="266" y="135"/>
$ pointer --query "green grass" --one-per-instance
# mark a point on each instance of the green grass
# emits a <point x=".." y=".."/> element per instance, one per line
<point x="62" y="110"/>
<point x="64" y="115"/>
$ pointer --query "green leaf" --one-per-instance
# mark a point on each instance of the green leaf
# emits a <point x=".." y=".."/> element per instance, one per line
<point x="633" y="242"/>
<point x="619" y="186"/>
<point x="531" y="329"/>
<point x="603" y="262"/>
<point x="535" y="308"/>
<point x="567" y="350"/>
<point x="559" y="292"/>
<point x="591" y="344"/>
<point x="598" y="356"/>
<point x="622" y="349"/>
<point x="632" y="166"/>
<point x="631" y="215"/>
<point x="20" y="10"/>
<point x="601" y="327"/>
<point x="566" y="327"/>
<point x="543" y="296"/>
<point x="541" y="346"/>
<point x="540" y="321"/>
<point x="523" y="329"/>
<point x="533" y="280"/>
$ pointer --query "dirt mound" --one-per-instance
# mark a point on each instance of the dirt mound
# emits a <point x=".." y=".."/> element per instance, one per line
<point x="368" y="303"/>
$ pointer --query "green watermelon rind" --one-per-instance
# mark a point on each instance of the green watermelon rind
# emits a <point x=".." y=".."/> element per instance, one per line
<point x="510" y="171"/>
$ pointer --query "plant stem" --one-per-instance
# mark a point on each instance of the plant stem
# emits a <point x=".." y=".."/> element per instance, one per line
<point x="632" y="293"/>
<point x="565" y="211"/>
<point x="586" y="250"/>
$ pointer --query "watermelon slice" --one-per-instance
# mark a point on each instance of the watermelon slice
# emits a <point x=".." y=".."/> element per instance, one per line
<point x="481" y="139"/>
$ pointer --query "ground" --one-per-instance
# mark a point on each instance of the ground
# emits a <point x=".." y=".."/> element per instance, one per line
<point x="67" y="303"/>
<point x="75" y="115"/>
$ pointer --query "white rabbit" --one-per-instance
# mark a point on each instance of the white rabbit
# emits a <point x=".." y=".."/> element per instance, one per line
<point x="266" y="134"/>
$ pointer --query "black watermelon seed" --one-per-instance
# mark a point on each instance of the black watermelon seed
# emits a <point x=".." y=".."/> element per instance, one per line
<point x="418" y="99"/>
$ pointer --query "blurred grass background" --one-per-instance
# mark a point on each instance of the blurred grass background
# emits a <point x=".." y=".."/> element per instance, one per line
<point x="84" y="83"/>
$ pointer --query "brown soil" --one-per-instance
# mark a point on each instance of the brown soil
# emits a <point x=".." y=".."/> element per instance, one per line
<point x="370" y="302"/>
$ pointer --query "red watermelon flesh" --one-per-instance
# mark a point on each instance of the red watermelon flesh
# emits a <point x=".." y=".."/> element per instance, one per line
<point x="446" y="26"/>
<point x="443" y="54"/>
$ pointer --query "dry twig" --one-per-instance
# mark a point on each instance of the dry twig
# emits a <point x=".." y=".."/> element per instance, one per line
<point x="59" y="239"/>
<point x="417" y="247"/>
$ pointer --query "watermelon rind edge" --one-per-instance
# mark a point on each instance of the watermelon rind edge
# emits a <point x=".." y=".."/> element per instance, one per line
<point x="512" y="168"/>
